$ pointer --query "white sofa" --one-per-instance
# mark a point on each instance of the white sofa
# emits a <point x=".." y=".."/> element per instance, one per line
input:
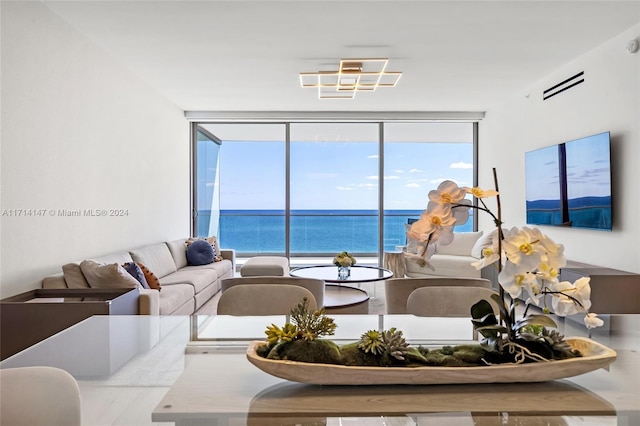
<point x="184" y="288"/>
<point x="454" y="259"/>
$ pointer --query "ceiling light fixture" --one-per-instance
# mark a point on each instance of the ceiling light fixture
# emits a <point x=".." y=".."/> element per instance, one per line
<point x="352" y="76"/>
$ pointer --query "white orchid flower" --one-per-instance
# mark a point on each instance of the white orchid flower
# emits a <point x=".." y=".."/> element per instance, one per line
<point x="522" y="248"/>
<point x="513" y="279"/>
<point x="592" y="321"/>
<point x="433" y="223"/>
<point x="448" y="192"/>
<point x="555" y="252"/>
<point x="583" y="292"/>
<point x="479" y="192"/>
<point x="548" y="272"/>
<point x="572" y="298"/>
<point x="461" y="214"/>
<point x="490" y="255"/>
<point x="486" y="260"/>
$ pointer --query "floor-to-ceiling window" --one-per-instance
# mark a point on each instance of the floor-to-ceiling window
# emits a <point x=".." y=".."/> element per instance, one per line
<point x="306" y="189"/>
<point x="334" y="188"/>
<point x="417" y="157"/>
<point x="252" y="187"/>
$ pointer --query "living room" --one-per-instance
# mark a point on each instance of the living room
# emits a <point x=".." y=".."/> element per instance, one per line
<point x="81" y="130"/>
<point x="97" y="107"/>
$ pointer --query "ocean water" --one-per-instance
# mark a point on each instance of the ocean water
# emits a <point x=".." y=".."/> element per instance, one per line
<point x="585" y="212"/>
<point x="313" y="232"/>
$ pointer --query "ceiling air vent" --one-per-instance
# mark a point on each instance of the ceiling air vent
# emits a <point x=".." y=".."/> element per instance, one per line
<point x="563" y="85"/>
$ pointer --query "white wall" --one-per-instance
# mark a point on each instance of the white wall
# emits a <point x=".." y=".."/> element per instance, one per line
<point x="79" y="131"/>
<point x="608" y="100"/>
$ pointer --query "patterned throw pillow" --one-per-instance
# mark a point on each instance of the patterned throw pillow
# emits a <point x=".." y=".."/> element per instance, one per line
<point x="214" y="243"/>
<point x="135" y="271"/>
<point x="151" y="278"/>
<point x="200" y="252"/>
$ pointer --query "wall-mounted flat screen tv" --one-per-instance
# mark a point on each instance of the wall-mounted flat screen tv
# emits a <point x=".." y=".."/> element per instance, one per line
<point x="569" y="184"/>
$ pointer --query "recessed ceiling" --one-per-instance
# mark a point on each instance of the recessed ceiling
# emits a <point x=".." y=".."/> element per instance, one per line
<point x="247" y="55"/>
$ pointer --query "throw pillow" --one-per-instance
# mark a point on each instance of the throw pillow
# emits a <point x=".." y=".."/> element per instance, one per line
<point x="99" y="275"/>
<point x="461" y="245"/>
<point x="151" y="278"/>
<point x="200" y="252"/>
<point x="73" y="276"/>
<point x="211" y="240"/>
<point x="134" y="270"/>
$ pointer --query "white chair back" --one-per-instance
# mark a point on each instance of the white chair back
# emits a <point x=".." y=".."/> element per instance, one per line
<point x="397" y="290"/>
<point x="453" y="301"/>
<point x="39" y="396"/>
<point x="448" y="301"/>
<point x="315" y="286"/>
<point x="260" y="299"/>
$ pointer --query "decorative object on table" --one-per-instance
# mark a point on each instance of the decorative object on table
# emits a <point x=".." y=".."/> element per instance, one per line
<point x="528" y="262"/>
<point x="344" y="261"/>
<point x="513" y="350"/>
<point x="298" y="352"/>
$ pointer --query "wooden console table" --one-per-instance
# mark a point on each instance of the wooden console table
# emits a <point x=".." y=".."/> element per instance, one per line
<point x="612" y="291"/>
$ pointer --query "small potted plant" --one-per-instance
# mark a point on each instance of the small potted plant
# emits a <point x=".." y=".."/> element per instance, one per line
<point x="344" y="261"/>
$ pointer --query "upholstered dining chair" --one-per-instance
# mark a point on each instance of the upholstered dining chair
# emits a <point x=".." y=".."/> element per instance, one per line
<point x="260" y="299"/>
<point x="315" y="286"/>
<point x="452" y="301"/>
<point x="397" y="290"/>
<point x="38" y="396"/>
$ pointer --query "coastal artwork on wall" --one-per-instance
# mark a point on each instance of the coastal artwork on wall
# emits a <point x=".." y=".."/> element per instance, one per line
<point x="569" y="184"/>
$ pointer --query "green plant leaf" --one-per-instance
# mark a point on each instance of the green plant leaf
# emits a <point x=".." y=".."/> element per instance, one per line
<point x="498" y="328"/>
<point x="481" y="309"/>
<point x="542" y="320"/>
<point x="501" y="305"/>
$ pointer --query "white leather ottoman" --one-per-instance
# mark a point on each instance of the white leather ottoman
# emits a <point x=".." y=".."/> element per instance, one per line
<point x="265" y="266"/>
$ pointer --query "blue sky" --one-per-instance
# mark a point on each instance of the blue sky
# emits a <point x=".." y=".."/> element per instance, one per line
<point x="338" y="175"/>
<point x="588" y="169"/>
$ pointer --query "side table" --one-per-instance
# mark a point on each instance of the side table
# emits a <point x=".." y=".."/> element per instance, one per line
<point x="28" y="318"/>
<point x="394" y="261"/>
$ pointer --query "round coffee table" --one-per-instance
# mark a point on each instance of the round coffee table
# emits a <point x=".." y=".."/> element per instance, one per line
<point x="340" y="296"/>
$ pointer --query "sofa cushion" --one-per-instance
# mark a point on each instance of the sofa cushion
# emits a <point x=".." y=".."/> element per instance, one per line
<point x="151" y="278"/>
<point x="178" y="250"/>
<point x="174" y="298"/>
<point x="198" y="278"/>
<point x="134" y="270"/>
<point x="445" y="265"/>
<point x="156" y="257"/>
<point x="73" y="276"/>
<point x="200" y="252"/>
<point x="107" y="276"/>
<point x="461" y="245"/>
<point x="224" y="268"/>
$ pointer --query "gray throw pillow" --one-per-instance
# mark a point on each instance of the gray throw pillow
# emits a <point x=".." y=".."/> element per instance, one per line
<point x="134" y="270"/>
<point x="107" y="276"/>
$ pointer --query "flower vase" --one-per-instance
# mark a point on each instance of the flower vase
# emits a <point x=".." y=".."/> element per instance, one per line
<point x="344" y="272"/>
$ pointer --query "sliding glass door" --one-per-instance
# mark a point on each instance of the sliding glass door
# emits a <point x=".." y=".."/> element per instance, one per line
<point x="252" y="187"/>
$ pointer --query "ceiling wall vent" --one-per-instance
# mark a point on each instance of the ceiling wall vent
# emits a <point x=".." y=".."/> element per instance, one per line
<point x="563" y="85"/>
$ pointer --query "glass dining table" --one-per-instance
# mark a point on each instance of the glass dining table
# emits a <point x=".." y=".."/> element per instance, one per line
<point x="144" y="370"/>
